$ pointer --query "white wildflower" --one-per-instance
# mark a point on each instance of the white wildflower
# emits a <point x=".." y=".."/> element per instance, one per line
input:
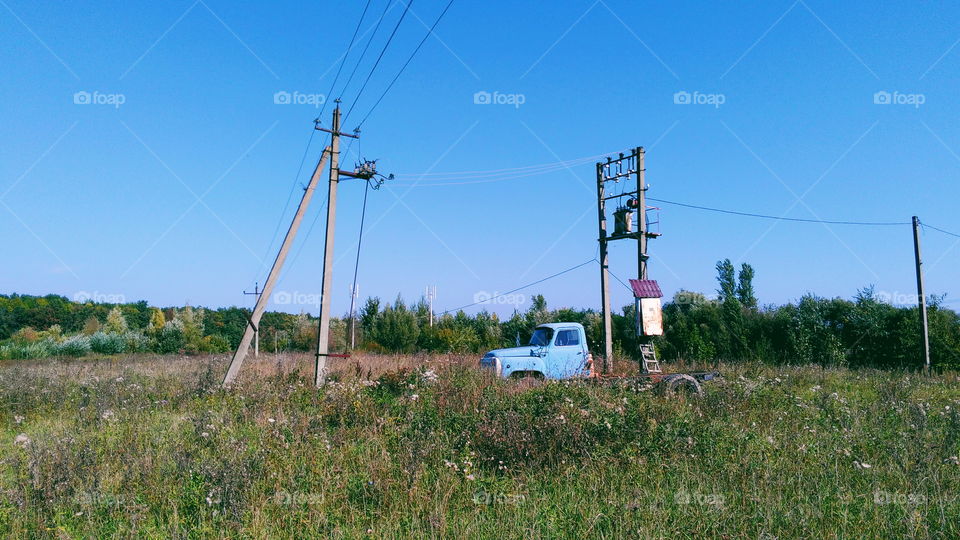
<point x="22" y="440"/>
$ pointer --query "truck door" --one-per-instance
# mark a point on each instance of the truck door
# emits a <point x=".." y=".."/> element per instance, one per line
<point x="568" y="354"/>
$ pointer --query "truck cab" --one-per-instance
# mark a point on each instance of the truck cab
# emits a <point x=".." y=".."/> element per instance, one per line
<point x="556" y="351"/>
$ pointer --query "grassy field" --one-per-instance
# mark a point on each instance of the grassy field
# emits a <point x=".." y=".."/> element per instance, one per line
<point x="150" y="446"/>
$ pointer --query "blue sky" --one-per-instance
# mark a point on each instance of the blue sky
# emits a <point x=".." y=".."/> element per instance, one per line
<point x="173" y="195"/>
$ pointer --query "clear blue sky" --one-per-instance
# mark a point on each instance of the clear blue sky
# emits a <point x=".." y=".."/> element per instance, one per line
<point x="102" y="198"/>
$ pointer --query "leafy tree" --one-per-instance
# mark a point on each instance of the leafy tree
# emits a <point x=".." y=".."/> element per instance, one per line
<point x="116" y="322"/>
<point x="745" y="293"/>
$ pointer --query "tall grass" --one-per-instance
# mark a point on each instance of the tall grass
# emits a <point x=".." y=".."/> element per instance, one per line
<point x="153" y="447"/>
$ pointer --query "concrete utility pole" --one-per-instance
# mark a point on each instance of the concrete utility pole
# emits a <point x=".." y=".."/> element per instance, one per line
<point x="323" y="335"/>
<point x="604" y="272"/>
<point x="254" y="322"/>
<point x="642" y="216"/>
<point x="256" y="331"/>
<point x="623" y="168"/>
<point x="924" y="329"/>
<point x="430" y="293"/>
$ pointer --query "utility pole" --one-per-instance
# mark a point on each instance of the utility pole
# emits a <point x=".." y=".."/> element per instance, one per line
<point x="622" y="169"/>
<point x="253" y="323"/>
<point x="642" y="216"/>
<point x="924" y="329"/>
<point x="256" y="331"/>
<point x="430" y="293"/>
<point x="604" y="272"/>
<point x="323" y="337"/>
<point x="366" y="171"/>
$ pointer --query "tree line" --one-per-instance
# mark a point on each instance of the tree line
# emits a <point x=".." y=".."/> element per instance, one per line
<point x="732" y="326"/>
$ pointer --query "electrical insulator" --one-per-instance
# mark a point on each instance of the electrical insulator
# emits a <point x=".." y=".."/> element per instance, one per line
<point x="633" y="203"/>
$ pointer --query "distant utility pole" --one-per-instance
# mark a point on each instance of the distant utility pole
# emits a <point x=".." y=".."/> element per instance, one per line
<point x="619" y="170"/>
<point x="256" y="331"/>
<point x="431" y="293"/>
<point x="924" y="329"/>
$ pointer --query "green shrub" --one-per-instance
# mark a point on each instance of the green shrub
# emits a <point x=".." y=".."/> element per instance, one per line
<point x="108" y="343"/>
<point x="78" y="345"/>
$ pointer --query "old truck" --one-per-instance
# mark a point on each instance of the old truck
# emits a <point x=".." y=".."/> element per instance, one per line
<point x="556" y="351"/>
<point x="559" y="351"/>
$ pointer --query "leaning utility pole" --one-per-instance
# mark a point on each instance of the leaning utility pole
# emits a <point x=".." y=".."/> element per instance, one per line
<point x="922" y="301"/>
<point x="253" y="324"/>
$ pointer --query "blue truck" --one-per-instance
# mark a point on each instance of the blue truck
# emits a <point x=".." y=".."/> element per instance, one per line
<point x="559" y="351"/>
<point x="556" y="351"/>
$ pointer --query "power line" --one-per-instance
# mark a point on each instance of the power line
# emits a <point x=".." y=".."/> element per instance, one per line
<point x="780" y="218"/>
<point x="572" y="268"/>
<point x="377" y="63"/>
<point x="386" y="8"/>
<point x="415" y="51"/>
<point x="939" y="229"/>
<point x="343" y="60"/>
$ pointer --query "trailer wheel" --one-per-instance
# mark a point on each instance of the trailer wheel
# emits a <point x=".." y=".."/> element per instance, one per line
<point x="680" y="384"/>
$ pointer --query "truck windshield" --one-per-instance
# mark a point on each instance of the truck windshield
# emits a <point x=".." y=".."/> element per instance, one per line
<point x="541" y="337"/>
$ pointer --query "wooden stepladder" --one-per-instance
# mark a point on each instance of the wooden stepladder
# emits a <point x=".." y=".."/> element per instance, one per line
<point x="650" y="362"/>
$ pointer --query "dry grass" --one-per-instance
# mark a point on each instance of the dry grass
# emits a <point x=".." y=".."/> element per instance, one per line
<point x="149" y="446"/>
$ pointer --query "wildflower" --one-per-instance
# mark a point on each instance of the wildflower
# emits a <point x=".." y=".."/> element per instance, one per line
<point x="860" y="465"/>
<point x="19" y="419"/>
<point x="471" y="477"/>
<point x="952" y="459"/>
<point x="414" y="397"/>
<point x="204" y="434"/>
<point x="271" y="420"/>
<point x="22" y="440"/>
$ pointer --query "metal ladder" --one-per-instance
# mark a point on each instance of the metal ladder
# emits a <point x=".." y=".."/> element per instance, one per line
<point x="650" y="362"/>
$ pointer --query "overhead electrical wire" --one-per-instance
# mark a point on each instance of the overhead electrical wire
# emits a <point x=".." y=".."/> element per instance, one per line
<point x="781" y="218"/>
<point x="343" y="60"/>
<point x="414" y="53"/>
<point x="346" y="85"/>
<point x="572" y="268"/>
<point x="939" y="229"/>
<point x="386" y="45"/>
